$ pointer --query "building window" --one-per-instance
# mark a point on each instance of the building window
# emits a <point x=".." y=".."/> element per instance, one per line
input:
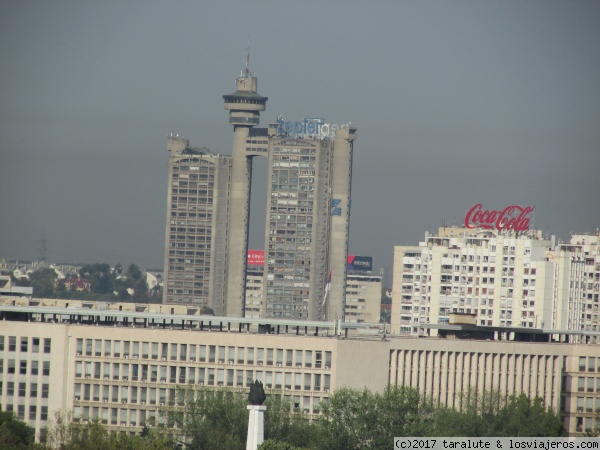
<point x="46" y="368"/>
<point x="32" y="412"/>
<point x="47" y="345"/>
<point x="45" y="390"/>
<point x="35" y="345"/>
<point x="24" y="344"/>
<point x="33" y="390"/>
<point x="23" y="368"/>
<point x="12" y="344"/>
<point x="591" y="364"/>
<point x="308" y="358"/>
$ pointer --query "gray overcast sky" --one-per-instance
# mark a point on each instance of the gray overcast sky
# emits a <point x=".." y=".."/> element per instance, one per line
<point x="456" y="102"/>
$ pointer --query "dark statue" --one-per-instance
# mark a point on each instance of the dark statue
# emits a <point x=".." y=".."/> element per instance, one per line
<point x="257" y="394"/>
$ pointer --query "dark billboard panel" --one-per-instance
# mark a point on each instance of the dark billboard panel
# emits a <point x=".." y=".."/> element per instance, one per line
<point x="360" y="263"/>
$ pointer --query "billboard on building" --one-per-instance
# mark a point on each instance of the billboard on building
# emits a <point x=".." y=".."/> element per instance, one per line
<point x="256" y="257"/>
<point x="360" y="263"/>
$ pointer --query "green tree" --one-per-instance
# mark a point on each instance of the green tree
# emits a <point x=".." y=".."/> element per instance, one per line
<point x="43" y="282"/>
<point x="349" y="420"/>
<point x="140" y="290"/>
<point x="155" y="295"/>
<point x="61" y="290"/>
<point x="283" y="424"/>
<point x="14" y="434"/>
<point x="207" y="311"/>
<point x="367" y="420"/>
<point x="208" y="419"/>
<point x="134" y="273"/>
<point x="65" y="434"/>
<point x="123" y="295"/>
<point x="524" y="416"/>
<point x="492" y="414"/>
<point x="101" y="277"/>
<point x="272" y="444"/>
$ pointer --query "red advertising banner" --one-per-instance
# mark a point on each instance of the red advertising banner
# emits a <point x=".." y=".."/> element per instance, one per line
<point x="256" y="257"/>
<point x="513" y="217"/>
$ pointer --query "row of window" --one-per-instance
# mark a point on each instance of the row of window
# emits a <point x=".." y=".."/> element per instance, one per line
<point x="25" y="344"/>
<point x="34" y="367"/>
<point x="584" y="424"/>
<point x="210" y="376"/>
<point x="301" y="151"/>
<point x="589" y="364"/>
<point x="113" y="416"/>
<point x="32" y="411"/>
<point x="22" y="392"/>
<point x="201" y="169"/>
<point x="138" y="417"/>
<point x="201" y="196"/>
<point x="588" y="384"/>
<point x="586" y="404"/>
<point x="203" y="353"/>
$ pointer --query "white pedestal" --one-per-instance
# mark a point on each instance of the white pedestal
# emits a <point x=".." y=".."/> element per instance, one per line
<point x="256" y="426"/>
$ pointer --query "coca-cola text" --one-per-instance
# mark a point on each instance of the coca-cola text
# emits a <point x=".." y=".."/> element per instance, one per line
<point x="513" y="217"/>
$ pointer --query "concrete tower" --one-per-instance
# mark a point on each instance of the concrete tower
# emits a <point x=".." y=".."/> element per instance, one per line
<point x="196" y="240"/>
<point x="244" y="107"/>
<point x="341" y="184"/>
<point x="308" y="212"/>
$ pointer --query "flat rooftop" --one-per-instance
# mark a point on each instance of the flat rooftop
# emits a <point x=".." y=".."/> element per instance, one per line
<point x="109" y="317"/>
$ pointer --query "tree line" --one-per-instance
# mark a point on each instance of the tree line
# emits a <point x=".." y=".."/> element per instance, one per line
<point x="105" y="284"/>
<point x="203" y="419"/>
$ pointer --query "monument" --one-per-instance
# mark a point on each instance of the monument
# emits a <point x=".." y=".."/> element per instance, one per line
<point x="256" y="421"/>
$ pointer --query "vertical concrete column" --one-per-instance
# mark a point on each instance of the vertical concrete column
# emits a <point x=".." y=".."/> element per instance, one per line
<point x="340" y="220"/>
<point x="244" y="107"/>
<point x="241" y="176"/>
<point x="256" y="426"/>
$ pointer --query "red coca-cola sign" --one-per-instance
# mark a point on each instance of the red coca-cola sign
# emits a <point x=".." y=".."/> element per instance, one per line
<point x="256" y="257"/>
<point x="511" y="218"/>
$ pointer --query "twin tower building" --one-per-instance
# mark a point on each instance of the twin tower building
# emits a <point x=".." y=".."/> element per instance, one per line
<point x="307" y="224"/>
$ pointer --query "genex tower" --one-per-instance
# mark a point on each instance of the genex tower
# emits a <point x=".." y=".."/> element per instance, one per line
<point x="307" y="223"/>
<point x="244" y="107"/>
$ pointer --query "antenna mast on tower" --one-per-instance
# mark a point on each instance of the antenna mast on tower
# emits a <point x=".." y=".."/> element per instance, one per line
<point x="246" y="73"/>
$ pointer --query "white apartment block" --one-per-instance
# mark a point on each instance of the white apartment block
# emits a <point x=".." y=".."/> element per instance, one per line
<point x="577" y="285"/>
<point x="507" y="280"/>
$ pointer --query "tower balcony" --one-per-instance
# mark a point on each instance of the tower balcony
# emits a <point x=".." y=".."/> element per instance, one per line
<point x="245" y="101"/>
<point x="242" y="120"/>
